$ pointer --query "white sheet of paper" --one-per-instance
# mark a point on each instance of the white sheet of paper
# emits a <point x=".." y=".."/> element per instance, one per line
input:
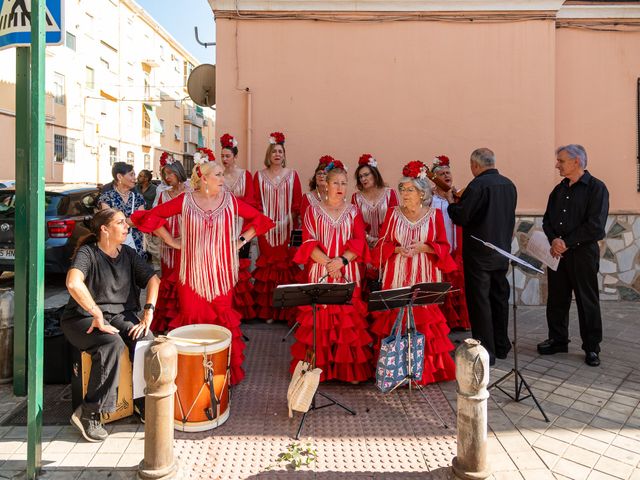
<point x="539" y="247"/>
<point x="508" y="255"/>
<point x="139" y="384"/>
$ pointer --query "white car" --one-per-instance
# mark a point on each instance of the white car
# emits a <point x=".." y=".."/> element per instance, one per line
<point x="7" y="184"/>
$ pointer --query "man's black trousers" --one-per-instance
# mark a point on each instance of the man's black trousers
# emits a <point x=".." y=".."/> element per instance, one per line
<point x="578" y="274"/>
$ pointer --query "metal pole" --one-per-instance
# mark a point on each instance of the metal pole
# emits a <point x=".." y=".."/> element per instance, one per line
<point x="23" y="123"/>
<point x="35" y="239"/>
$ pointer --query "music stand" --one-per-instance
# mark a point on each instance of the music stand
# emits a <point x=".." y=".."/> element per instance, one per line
<point x="295" y="240"/>
<point x="314" y="294"/>
<point x="519" y="380"/>
<point x="405" y="299"/>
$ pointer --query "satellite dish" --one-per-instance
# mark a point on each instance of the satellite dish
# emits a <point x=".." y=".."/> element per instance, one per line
<point x="201" y="85"/>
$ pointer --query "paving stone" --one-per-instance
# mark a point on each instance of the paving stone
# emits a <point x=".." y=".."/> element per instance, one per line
<point x="613" y="467"/>
<point x="580" y="455"/>
<point x="571" y="469"/>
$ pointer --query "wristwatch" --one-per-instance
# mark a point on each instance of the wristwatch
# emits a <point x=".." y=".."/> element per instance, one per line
<point x="149" y="306"/>
<point x="242" y="239"/>
<point x="345" y="262"/>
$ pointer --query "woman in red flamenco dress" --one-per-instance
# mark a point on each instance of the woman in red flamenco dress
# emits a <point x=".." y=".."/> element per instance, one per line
<point x="413" y="249"/>
<point x="455" y="303"/>
<point x="317" y="186"/>
<point x="333" y="247"/>
<point x="174" y="175"/>
<point x="239" y="182"/>
<point x="278" y="194"/>
<point x="209" y="245"/>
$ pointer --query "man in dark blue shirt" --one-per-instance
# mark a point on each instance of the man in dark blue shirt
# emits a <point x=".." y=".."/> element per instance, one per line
<point x="574" y="222"/>
<point x="487" y="210"/>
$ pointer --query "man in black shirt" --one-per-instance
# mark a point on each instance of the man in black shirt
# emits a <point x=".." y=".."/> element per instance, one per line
<point x="574" y="222"/>
<point x="487" y="210"/>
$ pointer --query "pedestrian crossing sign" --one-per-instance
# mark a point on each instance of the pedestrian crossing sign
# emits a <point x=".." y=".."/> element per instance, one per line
<point x="15" y="23"/>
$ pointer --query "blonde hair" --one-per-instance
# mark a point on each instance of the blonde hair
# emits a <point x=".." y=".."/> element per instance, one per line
<point x="336" y="171"/>
<point x="267" y="156"/>
<point x="205" y="169"/>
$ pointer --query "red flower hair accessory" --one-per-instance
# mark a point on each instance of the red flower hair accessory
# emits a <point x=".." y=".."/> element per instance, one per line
<point x="334" y="164"/>
<point x="276" y="138"/>
<point x="166" y="159"/>
<point x="441" y="161"/>
<point x="201" y="156"/>
<point x="325" y="160"/>
<point x="367" y="159"/>
<point x="228" y="141"/>
<point x="415" y="169"/>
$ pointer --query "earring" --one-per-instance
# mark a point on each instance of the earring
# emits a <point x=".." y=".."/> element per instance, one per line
<point x="326" y="197"/>
<point x="206" y="188"/>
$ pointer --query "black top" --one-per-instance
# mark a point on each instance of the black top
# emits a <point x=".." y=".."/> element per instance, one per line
<point x="577" y="213"/>
<point x="114" y="283"/>
<point x="487" y="210"/>
<point x="149" y="195"/>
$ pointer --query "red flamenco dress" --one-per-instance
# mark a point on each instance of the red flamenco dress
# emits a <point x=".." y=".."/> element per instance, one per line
<point x="243" y="300"/>
<point x="280" y="201"/>
<point x="455" y="303"/>
<point x="374" y="214"/>
<point x="399" y="271"/>
<point x="208" y="262"/>
<point x="342" y="340"/>
<point x="167" y="305"/>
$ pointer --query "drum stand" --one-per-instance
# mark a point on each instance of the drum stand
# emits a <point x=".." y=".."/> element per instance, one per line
<point x="315" y="294"/>
<point x="406" y="298"/>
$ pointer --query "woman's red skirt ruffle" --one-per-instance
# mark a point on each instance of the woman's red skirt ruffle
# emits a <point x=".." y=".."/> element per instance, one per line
<point x="243" y="300"/>
<point x="438" y="364"/>
<point x="455" y="302"/>
<point x="274" y="267"/>
<point x="342" y="342"/>
<point x="167" y="306"/>
<point x="194" y="309"/>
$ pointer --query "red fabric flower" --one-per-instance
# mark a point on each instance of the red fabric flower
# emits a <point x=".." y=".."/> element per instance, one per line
<point x="208" y="152"/>
<point x="165" y="158"/>
<point x="228" y="141"/>
<point x="441" y="161"/>
<point x="276" y="138"/>
<point x="325" y="160"/>
<point x="338" y="164"/>
<point x="413" y="169"/>
<point x="367" y="159"/>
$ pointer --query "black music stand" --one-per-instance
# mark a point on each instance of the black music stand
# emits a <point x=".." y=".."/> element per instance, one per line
<point x="314" y="294"/>
<point x="405" y="299"/>
<point x="295" y="240"/>
<point x="519" y="380"/>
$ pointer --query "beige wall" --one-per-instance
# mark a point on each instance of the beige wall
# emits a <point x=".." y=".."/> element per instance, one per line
<point x="400" y="91"/>
<point x="597" y="74"/>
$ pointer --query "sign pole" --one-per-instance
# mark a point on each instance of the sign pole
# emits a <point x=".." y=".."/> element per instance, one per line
<point x="20" y="282"/>
<point x="35" y="227"/>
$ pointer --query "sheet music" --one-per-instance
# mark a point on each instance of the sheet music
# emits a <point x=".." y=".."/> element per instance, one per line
<point x="539" y="247"/>
<point x="508" y="255"/>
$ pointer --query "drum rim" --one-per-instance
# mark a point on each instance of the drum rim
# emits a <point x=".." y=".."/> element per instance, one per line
<point x="218" y="346"/>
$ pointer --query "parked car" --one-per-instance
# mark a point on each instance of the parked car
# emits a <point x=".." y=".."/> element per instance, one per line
<point x="7" y="184"/>
<point x="68" y="209"/>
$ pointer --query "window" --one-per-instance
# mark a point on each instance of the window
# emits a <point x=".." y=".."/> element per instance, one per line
<point x="71" y="41"/>
<point x="113" y="155"/>
<point x="178" y="103"/>
<point x="130" y="116"/>
<point x="162" y="125"/>
<point x="161" y="52"/>
<point x="147" y="161"/>
<point x="58" y="88"/>
<point x="105" y="64"/>
<point x="147" y="86"/>
<point x="130" y="157"/>
<point x="188" y="67"/>
<point x="64" y="149"/>
<point x="176" y="132"/>
<point x="89" y="78"/>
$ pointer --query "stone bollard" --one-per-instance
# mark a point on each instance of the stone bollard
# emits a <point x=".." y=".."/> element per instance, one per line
<point x="472" y="377"/>
<point x="6" y="335"/>
<point x="160" y="369"/>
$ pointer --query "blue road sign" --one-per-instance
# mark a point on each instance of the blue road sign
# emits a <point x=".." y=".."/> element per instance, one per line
<point x="15" y="23"/>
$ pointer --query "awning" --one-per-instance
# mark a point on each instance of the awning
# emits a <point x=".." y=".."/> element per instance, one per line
<point x="155" y="123"/>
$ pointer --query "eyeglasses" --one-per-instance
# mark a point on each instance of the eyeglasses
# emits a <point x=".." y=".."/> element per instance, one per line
<point x="364" y="175"/>
<point x="407" y="190"/>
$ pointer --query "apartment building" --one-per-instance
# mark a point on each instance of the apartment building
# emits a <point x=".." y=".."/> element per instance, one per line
<point x="116" y="91"/>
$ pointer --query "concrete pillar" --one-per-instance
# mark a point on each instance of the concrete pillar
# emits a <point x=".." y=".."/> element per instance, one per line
<point x="160" y="369"/>
<point x="472" y="377"/>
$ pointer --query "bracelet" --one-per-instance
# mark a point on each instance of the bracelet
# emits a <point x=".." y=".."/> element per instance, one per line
<point x="345" y="262"/>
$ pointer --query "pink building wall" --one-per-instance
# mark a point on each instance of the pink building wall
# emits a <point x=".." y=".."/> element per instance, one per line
<point x="415" y="89"/>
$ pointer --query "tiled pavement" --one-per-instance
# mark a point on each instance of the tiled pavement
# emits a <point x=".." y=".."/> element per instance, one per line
<point x="594" y="431"/>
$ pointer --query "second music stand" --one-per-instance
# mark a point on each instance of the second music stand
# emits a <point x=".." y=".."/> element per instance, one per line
<point x="405" y="299"/>
<point x="314" y="294"/>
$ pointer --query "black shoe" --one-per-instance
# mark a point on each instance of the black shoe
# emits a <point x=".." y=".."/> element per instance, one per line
<point x="550" y="346"/>
<point x="89" y="424"/>
<point x="592" y="359"/>
<point x="502" y="354"/>
<point x="138" y="408"/>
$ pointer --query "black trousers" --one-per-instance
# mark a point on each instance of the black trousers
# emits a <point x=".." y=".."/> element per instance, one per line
<point x="105" y="350"/>
<point x="578" y="274"/>
<point x="487" y="294"/>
